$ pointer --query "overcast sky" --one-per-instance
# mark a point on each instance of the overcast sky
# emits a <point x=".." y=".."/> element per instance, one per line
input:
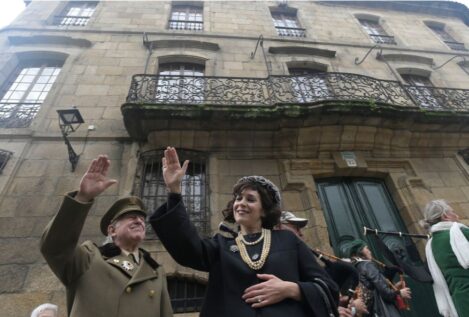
<point x="9" y="9"/>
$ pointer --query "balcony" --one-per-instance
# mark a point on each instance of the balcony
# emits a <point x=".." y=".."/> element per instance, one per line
<point x="153" y="97"/>
<point x="456" y="46"/>
<point x="383" y="39"/>
<point x="71" y="20"/>
<point x="291" y="31"/>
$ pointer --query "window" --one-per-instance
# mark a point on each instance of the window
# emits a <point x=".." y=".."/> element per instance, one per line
<point x="287" y="24"/>
<point x="465" y="155"/>
<point x="186" y="295"/>
<point x="151" y="188"/>
<point x="27" y="89"/>
<point x="180" y="83"/>
<point x="376" y="32"/>
<point x="439" y="29"/>
<point x="4" y="157"/>
<point x="186" y="17"/>
<point x="309" y="85"/>
<point x="464" y="66"/>
<point x="76" y="13"/>
<point x="421" y="88"/>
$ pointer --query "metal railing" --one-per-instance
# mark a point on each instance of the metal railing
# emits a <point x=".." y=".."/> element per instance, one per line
<point x="17" y="114"/>
<point x="185" y="25"/>
<point x="70" y="20"/>
<point x="288" y="31"/>
<point x="383" y="39"/>
<point x="457" y="46"/>
<point x="304" y="89"/>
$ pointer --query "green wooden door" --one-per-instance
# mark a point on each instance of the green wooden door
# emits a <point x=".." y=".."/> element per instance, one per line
<point x="349" y="204"/>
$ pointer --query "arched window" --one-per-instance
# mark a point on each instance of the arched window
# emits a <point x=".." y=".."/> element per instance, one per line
<point x="150" y="186"/>
<point x="25" y="91"/>
<point x="422" y="90"/>
<point x="309" y="84"/>
<point x="186" y="294"/>
<point x="180" y="82"/>
<point x="375" y="30"/>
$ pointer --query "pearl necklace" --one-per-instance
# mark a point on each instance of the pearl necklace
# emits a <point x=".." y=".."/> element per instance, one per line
<point x="241" y="243"/>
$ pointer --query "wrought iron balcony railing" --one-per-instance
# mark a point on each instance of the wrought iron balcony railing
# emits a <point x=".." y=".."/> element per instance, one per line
<point x="383" y="39"/>
<point x="289" y="31"/>
<point x="71" y="20"/>
<point x="304" y="89"/>
<point x="17" y="114"/>
<point x="456" y="46"/>
<point x="185" y="25"/>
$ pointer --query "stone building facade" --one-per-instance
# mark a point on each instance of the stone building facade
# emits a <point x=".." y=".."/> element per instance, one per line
<point x="357" y="111"/>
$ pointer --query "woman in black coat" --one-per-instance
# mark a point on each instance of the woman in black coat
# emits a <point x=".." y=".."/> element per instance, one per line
<point x="382" y="299"/>
<point x="258" y="273"/>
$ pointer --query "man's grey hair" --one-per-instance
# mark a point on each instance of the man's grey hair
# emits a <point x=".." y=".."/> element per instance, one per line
<point x="44" y="307"/>
<point x="109" y="238"/>
<point x="433" y="212"/>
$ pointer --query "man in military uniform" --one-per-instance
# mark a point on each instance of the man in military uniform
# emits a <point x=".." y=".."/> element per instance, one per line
<point x="118" y="279"/>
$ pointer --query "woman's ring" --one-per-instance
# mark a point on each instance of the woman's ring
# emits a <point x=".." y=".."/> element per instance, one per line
<point x="259" y="299"/>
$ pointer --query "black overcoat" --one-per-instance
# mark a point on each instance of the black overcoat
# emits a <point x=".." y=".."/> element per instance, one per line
<point x="289" y="259"/>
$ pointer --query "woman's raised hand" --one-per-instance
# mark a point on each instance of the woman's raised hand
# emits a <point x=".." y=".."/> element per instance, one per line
<point x="172" y="170"/>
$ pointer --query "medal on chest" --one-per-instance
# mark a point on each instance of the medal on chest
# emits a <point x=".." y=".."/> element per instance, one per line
<point x="128" y="266"/>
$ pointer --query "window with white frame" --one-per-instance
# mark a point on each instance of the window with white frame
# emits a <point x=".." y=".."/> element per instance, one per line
<point x="25" y="92"/>
<point x="186" y="17"/>
<point x="76" y="13"/>
<point x="309" y="85"/>
<point x="376" y="32"/>
<point x="180" y="83"/>
<point x="286" y="23"/>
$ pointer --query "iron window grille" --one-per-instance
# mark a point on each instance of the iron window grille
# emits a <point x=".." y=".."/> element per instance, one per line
<point x="287" y="24"/>
<point x="151" y="188"/>
<point x="186" y="295"/>
<point x="4" y="158"/>
<point x="186" y="17"/>
<point x="308" y="84"/>
<point x="173" y="83"/>
<point x="376" y="32"/>
<point x="447" y="38"/>
<point x="25" y="92"/>
<point x="76" y="14"/>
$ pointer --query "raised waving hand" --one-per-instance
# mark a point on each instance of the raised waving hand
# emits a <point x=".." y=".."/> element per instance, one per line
<point x="95" y="180"/>
<point x="173" y="172"/>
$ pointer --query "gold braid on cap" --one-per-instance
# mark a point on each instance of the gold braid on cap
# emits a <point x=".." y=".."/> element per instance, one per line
<point x="266" y="235"/>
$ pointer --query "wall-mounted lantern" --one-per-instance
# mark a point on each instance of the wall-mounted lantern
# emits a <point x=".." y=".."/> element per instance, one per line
<point x="69" y="121"/>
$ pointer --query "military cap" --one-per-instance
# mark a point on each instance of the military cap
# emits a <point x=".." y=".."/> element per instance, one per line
<point x="354" y="247"/>
<point x="289" y="217"/>
<point x="119" y="208"/>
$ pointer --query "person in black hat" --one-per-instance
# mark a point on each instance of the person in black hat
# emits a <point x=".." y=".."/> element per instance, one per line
<point x="118" y="279"/>
<point x="260" y="272"/>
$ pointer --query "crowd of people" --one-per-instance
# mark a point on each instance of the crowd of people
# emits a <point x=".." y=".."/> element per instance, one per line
<point x="261" y="267"/>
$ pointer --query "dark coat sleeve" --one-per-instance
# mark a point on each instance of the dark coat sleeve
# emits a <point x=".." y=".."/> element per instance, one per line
<point x="180" y="238"/>
<point x="310" y="272"/>
<point x="374" y="276"/>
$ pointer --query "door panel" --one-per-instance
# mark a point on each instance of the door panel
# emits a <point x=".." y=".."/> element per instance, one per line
<point x="349" y="204"/>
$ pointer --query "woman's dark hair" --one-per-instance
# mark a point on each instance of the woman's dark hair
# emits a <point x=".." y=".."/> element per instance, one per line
<point x="269" y="202"/>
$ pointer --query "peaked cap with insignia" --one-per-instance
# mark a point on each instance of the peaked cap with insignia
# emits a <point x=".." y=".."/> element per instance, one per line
<point x="119" y="208"/>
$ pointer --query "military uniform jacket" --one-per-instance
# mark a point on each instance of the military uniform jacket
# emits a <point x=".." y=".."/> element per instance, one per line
<point x="100" y="285"/>
<point x="289" y="259"/>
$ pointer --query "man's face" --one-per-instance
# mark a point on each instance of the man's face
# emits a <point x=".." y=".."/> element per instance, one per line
<point x="293" y="228"/>
<point x="128" y="229"/>
<point x="47" y="313"/>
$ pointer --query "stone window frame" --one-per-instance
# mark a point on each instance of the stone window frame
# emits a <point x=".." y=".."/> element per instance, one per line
<point x="61" y="18"/>
<point x="4" y="158"/>
<point x="286" y="22"/>
<point x="375" y="29"/>
<point x="24" y="111"/>
<point x="195" y="8"/>
<point x="441" y="31"/>
<point x="195" y="190"/>
<point x="187" y="294"/>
